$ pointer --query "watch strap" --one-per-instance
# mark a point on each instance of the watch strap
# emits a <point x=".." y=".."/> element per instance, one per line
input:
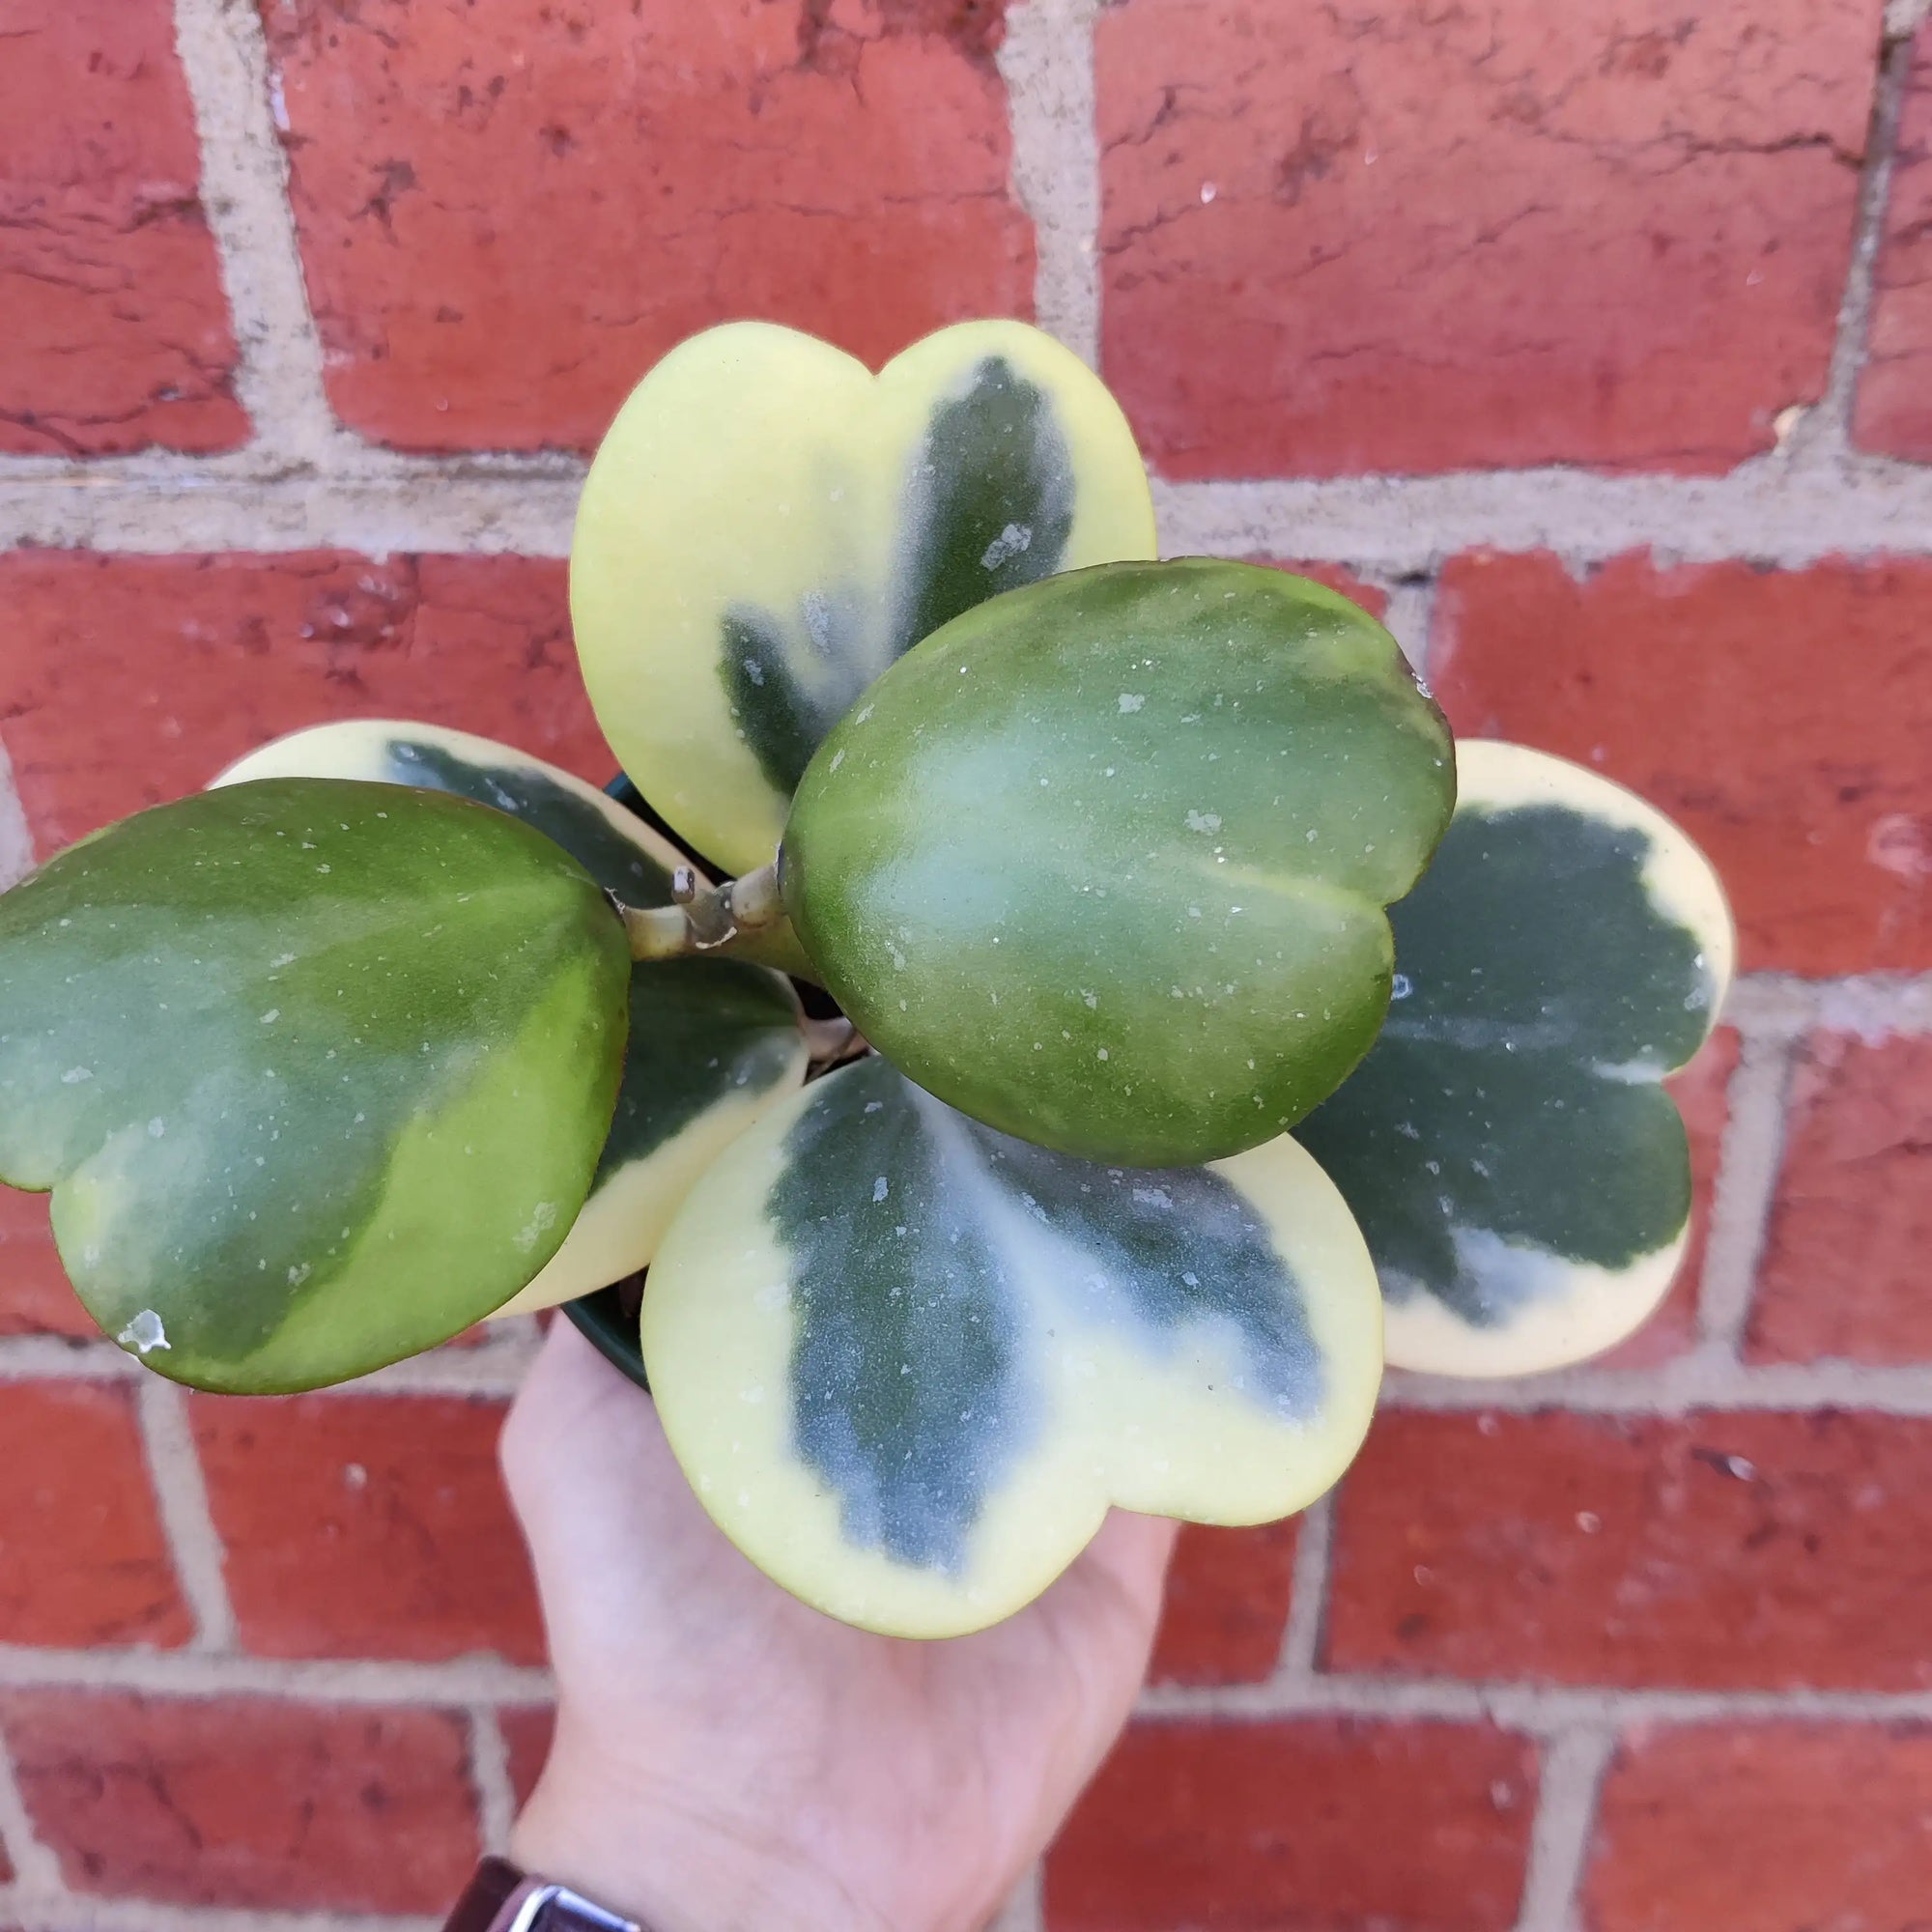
<point x="500" y="1897"/>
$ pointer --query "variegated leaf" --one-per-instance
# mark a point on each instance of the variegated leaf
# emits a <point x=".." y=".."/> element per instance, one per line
<point x="1508" y="1147"/>
<point x="1104" y="862"/>
<point x="908" y="1362"/>
<point x="768" y="526"/>
<point x="318" y="1072"/>
<point x="713" y="1042"/>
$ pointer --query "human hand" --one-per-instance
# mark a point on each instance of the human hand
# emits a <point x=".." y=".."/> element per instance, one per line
<point x="727" y="1759"/>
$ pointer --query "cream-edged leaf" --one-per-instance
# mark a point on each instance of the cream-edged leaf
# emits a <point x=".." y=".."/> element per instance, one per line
<point x="712" y="1042"/>
<point x="908" y="1362"/>
<point x="768" y="526"/>
<point x="1508" y="1147"/>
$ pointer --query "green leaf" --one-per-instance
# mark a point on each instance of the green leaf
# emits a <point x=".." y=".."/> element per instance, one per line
<point x="907" y="1362"/>
<point x="1103" y="862"/>
<point x="1521" y="1174"/>
<point x="768" y="526"/>
<point x="712" y="1042"/>
<point x="318" y="1072"/>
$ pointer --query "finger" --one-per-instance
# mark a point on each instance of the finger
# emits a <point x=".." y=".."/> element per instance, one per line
<point x="1133" y="1550"/>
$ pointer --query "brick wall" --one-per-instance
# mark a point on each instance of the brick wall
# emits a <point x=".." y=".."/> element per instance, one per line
<point x="1591" y="342"/>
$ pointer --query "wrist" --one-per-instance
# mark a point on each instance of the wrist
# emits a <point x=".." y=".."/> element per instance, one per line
<point x="621" y="1834"/>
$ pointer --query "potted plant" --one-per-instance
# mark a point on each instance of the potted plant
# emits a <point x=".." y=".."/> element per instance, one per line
<point x="1214" y="1028"/>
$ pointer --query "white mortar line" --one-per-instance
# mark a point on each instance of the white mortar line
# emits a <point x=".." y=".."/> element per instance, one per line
<point x="1540" y="1711"/>
<point x="1568" y="1782"/>
<point x="1766" y="512"/>
<point x="1753" y="1150"/>
<point x="490" y="1774"/>
<point x="17" y="840"/>
<point x="1047" y="63"/>
<point x="459" y="1685"/>
<point x="1412" y="611"/>
<point x="37" y="1873"/>
<point x="1308" y="1590"/>
<point x="182" y="1490"/>
<point x="75" y="1914"/>
<point x="244" y="192"/>
<point x="1691" y="1384"/>
<point x="1026" y="1910"/>
<point x="1904" y="17"/>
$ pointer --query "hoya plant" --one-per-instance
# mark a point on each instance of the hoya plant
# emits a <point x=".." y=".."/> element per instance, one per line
<point x="1050" y="1022"/>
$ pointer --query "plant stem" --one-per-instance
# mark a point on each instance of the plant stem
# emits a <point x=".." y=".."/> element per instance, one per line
<point x="715" y="920"/>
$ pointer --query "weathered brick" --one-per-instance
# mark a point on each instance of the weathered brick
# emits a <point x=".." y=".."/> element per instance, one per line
<point x="367" y="1526"/>
<point x="1228" y="1593"/>
<point x="527" y="1730"/>
<point x="506" y="217"/>
<point x="1299" y="1825"/>
<point x="1702" y="1096"/>
<point x="1752" y="1549"/>
<point x="83" y="1559"/>
<point x="1764" y="1828"/>
<point x="134" y="679"/>
<point x="1781" y="714"/>
<point x="1893" y="410"/>
<point x="114" y="333"/>
<point x="1397" y="237"/>
<point x="1844" y="1269"/>
<point x="246" y="1802"/>
<point x="35" y="1297"/>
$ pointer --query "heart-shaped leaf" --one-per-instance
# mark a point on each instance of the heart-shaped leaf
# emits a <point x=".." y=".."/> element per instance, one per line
<point x="712" y="1042"/>
<point x="319" y="1073"/>
<point x="1517" y="1168"/>
<point x="908" y="1362"/>
<point x="1103" y="863"/>
<point x="768" y="526"/>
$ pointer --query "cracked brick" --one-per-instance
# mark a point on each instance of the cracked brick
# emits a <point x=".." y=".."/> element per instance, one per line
<point x="114" y="330"/>
<point x="208" y="657"/>
<point x="505" y="218"/>
<point x="246" y="1802"/>
<point x="1397" y="237"/>
<point x="1892" y="412"/>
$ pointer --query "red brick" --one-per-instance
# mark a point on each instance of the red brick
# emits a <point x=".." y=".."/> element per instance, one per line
<point x="206" y="657"/>
<point x="82" y="1556"/>
<point x="1313" y="1825"/>
<point x="367" y="1526"/>
<point x="35" y="1297"/>
<point x="508" y="215"/>
<point x="528" y="1732"/>
<point x="1845" y="1265"/>
<point x="246" y="1802"/>
<point x="1703" y="688"/>
<point x="114" y="333"/>
<point x="1227" y="1602"/>
<point x="1399" y="237"/>
<point x="1893" y="410"/>
<point x="1726" y="1550"/>
<point x="1772" y="1827"/>
<point x="1702" y="1096"/>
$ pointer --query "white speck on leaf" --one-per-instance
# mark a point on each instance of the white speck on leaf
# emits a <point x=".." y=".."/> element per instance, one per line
<point x="75" y="1075"/>
<point x="881" y="1187"/>
<point x="271" y="1015"/>
<point x="156" y="1128"/>
<point x="543" y="1217"/>
<point x="144" y="1333"/>
<point x="1010" y="541"/>
<point x="1132" y="700"/>
<point x="1203" y="821"/>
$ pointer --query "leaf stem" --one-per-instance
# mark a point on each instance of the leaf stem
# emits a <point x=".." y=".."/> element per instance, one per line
<point x="713" y="920"/>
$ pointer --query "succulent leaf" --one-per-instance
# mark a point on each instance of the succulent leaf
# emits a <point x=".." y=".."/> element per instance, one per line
<point x="768" y="526"/>
<point x="712" y="1042"/>
<point x="908" y="1362"/>
<point x="1517" y="1165"/>
<point x="319" y="1073"/>
<point x="1103" y="862"/>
